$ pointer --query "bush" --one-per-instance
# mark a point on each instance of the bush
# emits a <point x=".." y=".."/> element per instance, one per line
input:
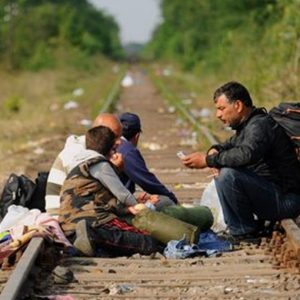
<point x="13" y="104"/>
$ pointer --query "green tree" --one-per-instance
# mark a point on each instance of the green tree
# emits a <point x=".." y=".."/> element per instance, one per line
<point x="31" y="31"/>
<point x="256" y="41"/>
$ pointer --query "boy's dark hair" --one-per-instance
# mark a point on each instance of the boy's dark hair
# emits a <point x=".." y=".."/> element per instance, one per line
<point x="100" y="139"/>
<point x="234" y="91"/>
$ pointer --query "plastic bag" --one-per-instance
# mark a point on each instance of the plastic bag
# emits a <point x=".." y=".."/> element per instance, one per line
<point x="14" y="214"/>
<point x="210" y="198"/>
<point x="17" y="214"/>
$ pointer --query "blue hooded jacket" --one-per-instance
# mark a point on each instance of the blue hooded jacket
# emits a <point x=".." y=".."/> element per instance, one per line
<point x="136" y="172"/>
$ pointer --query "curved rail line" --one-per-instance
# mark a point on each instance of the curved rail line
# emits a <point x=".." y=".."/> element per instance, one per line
<point x="154" y="278"/>
<point x="112" y="95"/>
<point x="186" y="113"/>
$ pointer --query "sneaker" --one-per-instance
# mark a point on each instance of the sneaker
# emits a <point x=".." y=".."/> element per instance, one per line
<point x="82" y="242"/>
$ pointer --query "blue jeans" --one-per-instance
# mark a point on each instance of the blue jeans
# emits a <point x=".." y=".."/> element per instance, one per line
<point x="242" y="194"/>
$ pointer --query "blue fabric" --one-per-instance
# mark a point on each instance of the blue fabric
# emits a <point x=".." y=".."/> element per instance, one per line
<point x="210" y="241"/>
<point x="243" y="194"/>
<point x="136" y="172"/>
<point x="5" y="236"/>
<point x="209" y="244"/>
<point x="181" y="249"/>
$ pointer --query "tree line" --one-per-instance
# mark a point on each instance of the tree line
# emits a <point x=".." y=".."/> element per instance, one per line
<point x="257" y="40"/>
<point x="36" y="34"/>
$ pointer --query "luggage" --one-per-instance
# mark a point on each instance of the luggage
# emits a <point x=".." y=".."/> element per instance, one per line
<point x="18" y="190"/>
<point x="200" y="216"/>
<point x="21" y="190"/>
<point x="165" y="228"/>
<point x="287" y="115"/>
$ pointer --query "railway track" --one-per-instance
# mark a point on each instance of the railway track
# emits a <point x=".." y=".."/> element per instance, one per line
<point x="267" y="271"/>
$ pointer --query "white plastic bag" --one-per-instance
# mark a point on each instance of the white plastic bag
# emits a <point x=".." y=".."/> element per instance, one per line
<point x="13" y="215"/>
<point x="127" y="81"/>
<point x="16" y="215"/>
<point x="210" y="198"/>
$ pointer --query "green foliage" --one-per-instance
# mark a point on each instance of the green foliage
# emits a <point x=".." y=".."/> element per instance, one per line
<point x="74" y="57"/>
<point x="255" y="41"/>
<point x="42" y="58"/>
<point x="32" y="31"/>
<point x="13" y="104"/>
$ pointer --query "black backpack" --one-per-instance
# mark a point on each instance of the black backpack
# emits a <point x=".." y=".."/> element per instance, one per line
<point x="21" y="190"/>
<point x="287" y="115"/>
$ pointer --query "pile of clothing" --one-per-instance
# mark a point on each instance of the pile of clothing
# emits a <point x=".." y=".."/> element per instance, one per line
<point x="20" y="225"/>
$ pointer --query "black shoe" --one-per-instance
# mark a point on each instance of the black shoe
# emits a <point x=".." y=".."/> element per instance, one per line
<point x="82" y="242"/>
<point x="247" y="238"/>
<point x="268" y="228"/>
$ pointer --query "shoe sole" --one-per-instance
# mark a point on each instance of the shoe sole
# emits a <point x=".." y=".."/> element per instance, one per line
<point x="235" y="241"/>
<point x="82" y="242"/>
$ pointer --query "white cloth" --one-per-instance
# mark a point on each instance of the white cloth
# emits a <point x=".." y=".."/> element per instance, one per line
<point x="73" y="153"/>
<point x="18" y="217"/>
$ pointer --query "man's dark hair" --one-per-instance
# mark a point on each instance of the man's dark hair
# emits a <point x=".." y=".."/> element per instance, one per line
<point x="234" y="91"/>
<point x="129" y="133"/>
<point x="100" y="139"/>
<point x="131" y="125"/>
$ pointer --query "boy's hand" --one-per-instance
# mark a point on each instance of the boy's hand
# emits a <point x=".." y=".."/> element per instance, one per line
<point x="117" y="160"/>
<point x="136" y="208"/>
<point x="142" y="197"/>
<point x="153" y="199"/>
<point x="145" y="197"/>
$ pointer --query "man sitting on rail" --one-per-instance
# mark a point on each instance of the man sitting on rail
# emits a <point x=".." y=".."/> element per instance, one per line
<point x="135" y="170"/>
<point x="94" y="200"/>
<point x="257" y="172"/>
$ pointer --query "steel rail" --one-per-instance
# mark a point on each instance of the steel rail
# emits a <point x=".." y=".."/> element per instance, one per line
<point x="293" y="235"/>
<point x="19" y="275"/>
<point x="112" y="95"/>
<point x="175" y="101"/>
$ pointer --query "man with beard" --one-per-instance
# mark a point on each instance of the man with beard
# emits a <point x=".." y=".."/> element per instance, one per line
<point x="257" y="174"/>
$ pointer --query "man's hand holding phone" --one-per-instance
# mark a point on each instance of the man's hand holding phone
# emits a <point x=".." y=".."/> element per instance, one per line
<point x="196" y="160"/>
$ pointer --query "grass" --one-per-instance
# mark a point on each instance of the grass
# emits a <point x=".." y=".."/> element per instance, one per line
<point x="40" y="123"/>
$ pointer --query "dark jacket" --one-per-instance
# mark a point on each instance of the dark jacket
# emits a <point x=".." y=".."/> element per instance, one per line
<point x="263" y="147"/>
<point x="136" y="172"/>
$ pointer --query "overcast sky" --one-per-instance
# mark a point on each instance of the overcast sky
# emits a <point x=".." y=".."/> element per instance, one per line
<point x="136" y="18"/>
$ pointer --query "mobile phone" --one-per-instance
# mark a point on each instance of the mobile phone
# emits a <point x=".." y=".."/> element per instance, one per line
<point x="180" y="154"/>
